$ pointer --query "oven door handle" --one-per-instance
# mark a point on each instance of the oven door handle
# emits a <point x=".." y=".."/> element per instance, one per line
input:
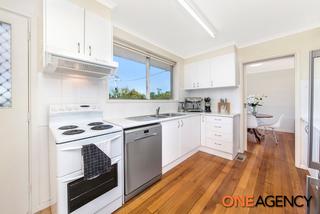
<point x="80" y="147"/>
<point x="72" y="179"/>
<point x="68" y="180"/>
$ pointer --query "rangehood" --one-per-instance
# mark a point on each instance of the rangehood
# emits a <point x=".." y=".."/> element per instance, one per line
<point x="73" y="66"/>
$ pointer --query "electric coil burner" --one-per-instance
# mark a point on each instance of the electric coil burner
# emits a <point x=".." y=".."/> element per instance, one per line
<point x="73" y="132"/>
<point x="101" y="127"/>
<point x="95" y="124"/>
<point x="68" y="127"/>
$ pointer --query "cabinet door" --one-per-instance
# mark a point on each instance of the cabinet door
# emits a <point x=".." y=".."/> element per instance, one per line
<point x="223" y="71"/>
<point x="171" y="148"/>
<point x="190" y="71"/>
<point x="98" y="39"/>
<point x="190" y="134"/>
<point x="64" y="28"/>
<point x="203" y="74"/>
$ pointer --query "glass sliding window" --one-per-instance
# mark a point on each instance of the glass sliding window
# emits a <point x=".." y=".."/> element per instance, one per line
<point x="5" y="65"/>
<point x="130" y="80"/>
<point x="140" y="75"/>
<point x="160" y="80"/>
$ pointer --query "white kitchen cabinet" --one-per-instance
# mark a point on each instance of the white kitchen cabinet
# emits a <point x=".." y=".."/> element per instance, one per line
<point x="196" y="75"/>
<point x="216" y="72"/>
<point x="190" y="71"/>
<point x="179" y="137"/>
<point x="223" y="71"/>
<point x="76" y="32"/>
<point x="190" y="134"/>
<point x="221" y="135"/>
<point x="171" y="148"/>
<point x="98" y="34"/>
<point x="64" y="28"/>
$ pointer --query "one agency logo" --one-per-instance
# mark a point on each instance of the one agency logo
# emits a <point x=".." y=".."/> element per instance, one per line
<point x="266" y="201"/>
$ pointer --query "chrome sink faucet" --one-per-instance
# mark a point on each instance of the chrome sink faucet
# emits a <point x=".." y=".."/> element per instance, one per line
<point x="158" y="111"/>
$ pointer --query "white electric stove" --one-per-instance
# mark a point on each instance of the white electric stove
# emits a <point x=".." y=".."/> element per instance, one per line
<point x="73" y="126"/>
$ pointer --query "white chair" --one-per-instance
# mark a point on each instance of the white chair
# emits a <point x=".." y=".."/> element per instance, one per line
<point x="273" y="126"/>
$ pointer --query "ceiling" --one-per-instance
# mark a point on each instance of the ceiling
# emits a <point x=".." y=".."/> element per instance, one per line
<point x="279" y="64"/>
<point x="166" y="24"/>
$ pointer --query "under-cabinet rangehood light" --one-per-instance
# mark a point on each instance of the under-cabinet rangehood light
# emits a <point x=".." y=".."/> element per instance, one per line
<point x="77" y="67"/>
<point x="196" y="14"/>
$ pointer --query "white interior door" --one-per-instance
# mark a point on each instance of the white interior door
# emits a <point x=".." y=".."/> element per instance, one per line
<point x="14" y="178"/>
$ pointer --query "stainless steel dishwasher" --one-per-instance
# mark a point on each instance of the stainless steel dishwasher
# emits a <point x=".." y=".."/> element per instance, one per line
<point x="143" y="158"/>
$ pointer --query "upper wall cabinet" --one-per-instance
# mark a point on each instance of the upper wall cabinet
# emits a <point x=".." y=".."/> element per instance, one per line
<point x="216" y="72"/>
<point x="75" y="32"/>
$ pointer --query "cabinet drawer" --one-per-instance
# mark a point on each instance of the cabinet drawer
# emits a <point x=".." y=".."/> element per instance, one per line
<point x="227" y="137"/>
<point x="221" y="128"/>
<point x="219" y="145"/>
<point x="219" y="120"/>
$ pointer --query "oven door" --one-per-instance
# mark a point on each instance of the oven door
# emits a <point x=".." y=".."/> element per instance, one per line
<point x="77" y="196"/>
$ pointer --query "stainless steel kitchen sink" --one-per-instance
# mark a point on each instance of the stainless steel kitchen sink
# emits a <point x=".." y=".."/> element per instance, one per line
<point x="155" y="117"/>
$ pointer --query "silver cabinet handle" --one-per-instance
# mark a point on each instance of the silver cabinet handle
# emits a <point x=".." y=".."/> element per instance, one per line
<point x="218" y="127"/>
<point x="217" y="135"/>
<point x="90" y="50"/>
<point x="178" y="123"/>
<point x="78" y="44"/>
<point x="219" y="144"/>
<point x="181" y="123"/>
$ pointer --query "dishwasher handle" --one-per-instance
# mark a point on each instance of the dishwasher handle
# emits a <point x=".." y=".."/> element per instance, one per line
<point x="146" y="136"/>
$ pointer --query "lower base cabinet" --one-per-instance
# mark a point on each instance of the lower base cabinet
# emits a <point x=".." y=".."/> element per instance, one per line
<point x="221" y="135"/>
<point x="179" y="137"/>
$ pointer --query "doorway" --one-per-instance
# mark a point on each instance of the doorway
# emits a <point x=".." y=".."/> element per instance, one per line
<point x="269" y="96"/>
<point x="14" y="107"/>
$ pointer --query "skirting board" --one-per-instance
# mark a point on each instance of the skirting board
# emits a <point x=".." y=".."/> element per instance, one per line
<point x="178" y="161"/>
<point x="216" y="152"/>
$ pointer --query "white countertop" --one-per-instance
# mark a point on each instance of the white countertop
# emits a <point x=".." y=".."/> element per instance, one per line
<point x="127" y="123"/>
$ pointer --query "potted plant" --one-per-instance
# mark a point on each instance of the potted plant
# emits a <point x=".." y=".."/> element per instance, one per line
<point x="254" y="101"/>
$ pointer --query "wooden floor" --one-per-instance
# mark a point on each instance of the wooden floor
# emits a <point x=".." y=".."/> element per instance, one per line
<point x="199" y="183"/>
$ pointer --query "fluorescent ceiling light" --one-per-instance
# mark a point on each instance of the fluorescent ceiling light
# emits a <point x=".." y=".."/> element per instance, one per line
<point x="255" y="65"/>
<point x="192" y="10"/>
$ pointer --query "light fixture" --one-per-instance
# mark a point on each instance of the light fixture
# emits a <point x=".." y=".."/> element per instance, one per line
<point x="191" y="8"/>
<point x="255" y="65"/>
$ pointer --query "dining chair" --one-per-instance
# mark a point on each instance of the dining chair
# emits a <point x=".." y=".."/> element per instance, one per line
<point x="252" y="124"/>
<point x="273" y="126"/>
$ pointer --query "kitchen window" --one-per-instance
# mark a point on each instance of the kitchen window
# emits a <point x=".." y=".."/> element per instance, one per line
<point x="140" y="75"/>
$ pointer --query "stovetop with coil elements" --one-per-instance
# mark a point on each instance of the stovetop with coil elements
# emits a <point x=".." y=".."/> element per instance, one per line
<point x="73" y="122"/>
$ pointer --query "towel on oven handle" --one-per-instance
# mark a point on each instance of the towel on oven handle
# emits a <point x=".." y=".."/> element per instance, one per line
<point x="95" y="161"/>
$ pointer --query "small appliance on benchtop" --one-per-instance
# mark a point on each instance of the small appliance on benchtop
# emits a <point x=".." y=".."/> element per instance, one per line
<point x="207" y="104"/>
<point x="72" y="127"/>
<point x="193" y="104"/>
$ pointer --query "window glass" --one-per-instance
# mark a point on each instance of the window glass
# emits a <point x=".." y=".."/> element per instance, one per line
<point x="129" y="82"/>
<point x="140" y="75"/>
<point x="5" y="65"/>
<point x="160" y="83"/>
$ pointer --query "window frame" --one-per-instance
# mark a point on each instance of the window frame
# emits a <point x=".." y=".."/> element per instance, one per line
<point x="148" y="57"/>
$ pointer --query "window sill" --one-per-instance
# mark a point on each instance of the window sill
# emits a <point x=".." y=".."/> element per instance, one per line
<point x="141" y="101"/>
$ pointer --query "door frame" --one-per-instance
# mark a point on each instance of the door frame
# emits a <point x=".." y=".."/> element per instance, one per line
<point x="243" y="109"/>
<point x="28" y="19"/>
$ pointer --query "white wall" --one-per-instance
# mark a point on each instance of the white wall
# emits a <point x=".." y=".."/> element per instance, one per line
<point x="279" y="88"/>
